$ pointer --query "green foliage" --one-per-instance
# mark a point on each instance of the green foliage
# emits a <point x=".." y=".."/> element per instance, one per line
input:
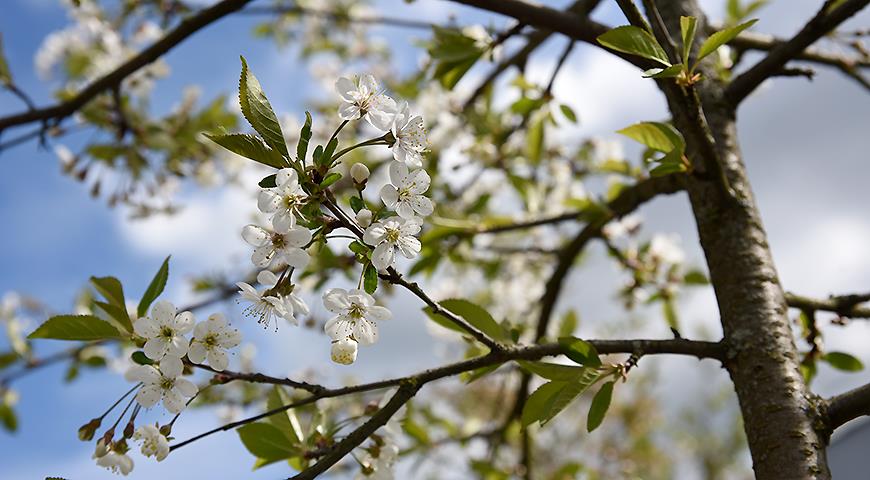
<point x="843" y="361"/>
<point x="580" y="351"/>
<point x="268" y="181"/>
<point x="635" y="41"/>
<point x="660" y="137"/>
<point x="568" y="323"/>
<point x="477" y="317"/>
<point x="304" y="139"/>
<point x="552" y="397"/>
<point x="357" y="204"/>
<point x="736" y="11"/>
<point x="249" y="146"/>
<point x="155" y="288"/>
<point x="370" y="279"/>
<point x="453" y="53"/>
<point x="140" y="358"/>
<point x="688" y="26"/>
<point x="75" y="327"/>
<point x="286" y="422"/>
<point x="115" y="306"/>
<point x="599" y="407"/>
<point x="258" y="111"/>
<point x="5" y="72"/>
<point x="8" y="418"/>
<point x="721" y="38"/>
<point x="552" y="371"/>
<point x="669" y="72"/>
<point x="266" y="442"/>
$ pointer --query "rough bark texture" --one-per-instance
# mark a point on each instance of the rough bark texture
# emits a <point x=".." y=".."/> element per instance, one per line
<point x="778" y="410"/>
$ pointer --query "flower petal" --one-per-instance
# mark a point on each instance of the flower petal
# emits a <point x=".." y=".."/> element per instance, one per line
<point x="295" y="257"/>
<point x="155" y="348"/>
<point x="382" y="257"/>
<point x="268" y="201"/>
<point x="184" y="322"/>
<point x="335" y="300"/>
<point x="149" y="395"/>
<point x="379" y="313"/>
<point x="255" y="236"/>
<point x="197" y="352"/>
<point x="163" y="312"/>
<point x="218" y="359"/>
<point x="262" y="256"/>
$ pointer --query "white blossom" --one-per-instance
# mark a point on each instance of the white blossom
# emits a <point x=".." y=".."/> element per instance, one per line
<point x="286" y="246"/>
<point x="356" y="315"/>
<point x="284" y="200"/>
<point x="344" y="351"/>
<point x="380" y="467"/>
<point x="359" y="172"/>
<point x="164" y="384"/>
<point x="410" y="136"/>
<point x="666" y="248"/>
<point x="164" y="331"/>
<point x="391" y="234"/>
<point x="364" y="217"/>
<point x="154" y="443"/>
<point x="404" y="193"/>
<point x="211" y="339"/>
<point x="363" y="98"/>
<point x="116" y="462"/>
<point x="266" y="305"/>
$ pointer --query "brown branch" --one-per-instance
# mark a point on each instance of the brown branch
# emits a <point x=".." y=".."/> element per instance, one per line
<point x="186" y="28"/>
<point x="848" y="406"/>
<point x="748" y="40"/>
<point x="338" y="16"/>
<point x="843" y="305"/>
<point x="822" y="23"/>
<point x="699" y="349"/>
<point x="227" y="376"/>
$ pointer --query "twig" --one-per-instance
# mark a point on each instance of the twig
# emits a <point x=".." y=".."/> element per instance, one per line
<point x="848" y="406"/>
<point x="337" y="16"/>
<point x="844" y="305"/>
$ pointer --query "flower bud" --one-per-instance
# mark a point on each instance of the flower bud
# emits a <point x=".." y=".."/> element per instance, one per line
<point x="364" y="217"/>
<point x="359" y="172"/>
<point x="344" y="351"/>
<point x="86" y="431"/>
<point x="102" y="448"/>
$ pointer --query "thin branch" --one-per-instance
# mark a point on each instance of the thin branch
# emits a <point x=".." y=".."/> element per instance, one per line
<point x="559" y="64"/>
<point x="185" y="29"/>
<point x="338" y="16"/>
<point x="699" y="349"/>
<point x="748" y="40"/>
<point x="848" y="406"/>
<point x="843" y="305"/>
<point x="822" y="23"/>
<point x="227" y="376"/>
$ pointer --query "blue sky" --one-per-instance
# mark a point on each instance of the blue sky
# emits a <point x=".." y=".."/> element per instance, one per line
<point x="805" y="146"/>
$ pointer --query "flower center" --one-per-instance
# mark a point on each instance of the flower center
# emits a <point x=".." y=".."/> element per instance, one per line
<point x="166" y="332"/>
<point x="356" y="311"/>
<point x="278" y="241"/>
<point x="292" y="202"/>
<point x="167" y="383"/>
<point x="210" y="340"/>
<point x="393" y="235"/>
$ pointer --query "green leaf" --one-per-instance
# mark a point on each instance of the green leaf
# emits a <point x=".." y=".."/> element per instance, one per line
<point x="116" y="313"/>
<point x="112" y="290"/>
<point x="477" y="316"/>
<point x="843" y="361"/>
<point x="688" y="26"/>
<point x="75" y="327"/>
<point x="658" y="136"/>
<point x="304" y="138"/>
<point x="695" y="277"/>
<point x="670" y="72"/>
<point x="357" y="204"/>
<point x="155" y="288"/>
<point x="286" y="421"/>
<point x="568" y="324"/>
<point x="249" y="146"/>
<point x="536" y="406"/>
<point x="258" y="111"/>
<point x="551" y="398"/>
<point x="670" y="312"/>
<point x="568" y="112"/>
<point x="635" y="41"/>
<point x="8" y="358"/>
<point x="370" y="279"/>
<point x="266" y="442"/>
<point x="328" y="152"/>
<point x="598" y="409"/>
<point x="140" y="358"/>
<point x="580" y="351"/>
<point x="268" y="181"/>
<point x="552" y="371"/>
<point x="330" y="179"/>
<point x="5" y="72"/>
<point x="535" y="140"/>
<point x="469" y="377"/>
<point x="721" y="38"/>
<point x="8" y="417"/>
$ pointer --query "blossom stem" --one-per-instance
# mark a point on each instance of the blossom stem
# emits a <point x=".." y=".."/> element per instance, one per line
<point x="335" y="133"/>
<point x="374" y="141"/>
<point x="118" y="401"/>
<point x="121" y="416"/>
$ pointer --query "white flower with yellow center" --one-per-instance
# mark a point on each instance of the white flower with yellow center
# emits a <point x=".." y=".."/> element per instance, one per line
<point x="154" y="443"/>
<point x="164" y="384"/>
<point x="284" y="201"/>
<point x="390" y="235"/>
<point x="344" y="351"/>
<point x="265" y="304"/>
<point x="410" y="137"/>
<point x="118" y="463"/>
<point x="363" y="98"/>
<point x="211" y="339"/>
<point x="356" y="315"/>
<point x="286" y="246"/>
<point x="404" y="193"/>
<point x="164" y="331"/>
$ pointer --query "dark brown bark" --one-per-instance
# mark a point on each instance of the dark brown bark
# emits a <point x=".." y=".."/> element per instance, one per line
<point x="779" y="413"/>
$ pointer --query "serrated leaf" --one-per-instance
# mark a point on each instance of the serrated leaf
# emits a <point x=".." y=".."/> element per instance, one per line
<point x="266" y="442"/>
<point x="330" y="179"/>
<point x="111" y="289"/>
<point x="536" y="405"/>
<point x="477" y="317"/>
<point x="370" y="279"/>
<point x="258" y="111"/>
<point x="328" y="152"/>
<point x="721" y="38"/>
<point x="75" y="327"/>
<point x="552" y="371"/>
<point x="155" y="288"/>
<point x="843" y="361"/>
<point x="688" y="26"/>
<point x="599" y="407"/>
<point x="580" y="351"/>
<point x="635" y="41"/>
<point x="304" y="138"/>
<point x="285" y="421"/>
<point x="249" y="146"/>
<point x="268" y="181"/>
<point x="670" y="72"/>
<point x="551" y="398"/>
<point x="658" y="136"/>
<point x="115" y="313"/>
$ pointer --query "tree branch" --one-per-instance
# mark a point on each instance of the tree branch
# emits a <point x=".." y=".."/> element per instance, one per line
<point x="700" y="349"/>
<point x="186" y="28"/>
<point x="848" y="406"/>
<point x="843" y="305"/>
<point x="822" y="23"/>
<point x="338" y="16"/>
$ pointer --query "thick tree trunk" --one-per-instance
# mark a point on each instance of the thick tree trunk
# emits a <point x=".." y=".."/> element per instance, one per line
<point x="778" y="410"/>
